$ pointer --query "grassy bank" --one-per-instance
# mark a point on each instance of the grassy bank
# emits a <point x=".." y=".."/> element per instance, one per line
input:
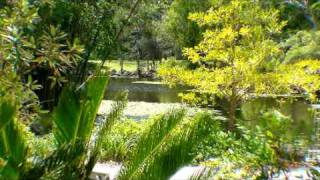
<point x="128" y="65"/>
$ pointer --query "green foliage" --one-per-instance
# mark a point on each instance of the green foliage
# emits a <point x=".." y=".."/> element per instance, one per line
<point x="167" y="145"/>
<point x="74" y="158"/>
<point x="233" y="157"/>
<point x="227" y="62"/>
<point x="181" y="31"/>
<point x="30" y="56"/>
<point x="256" y="153"/>
<point x="42" y="146"/>
<point x="160" y="156"/>
<point x="40" y="48"/>
<point x="297" y="78"/>
<point x="73" y="135"/>
<point x="149" y="140"/>
<point x="12" y="145"/>
<point x="274" y="125"/>
<point x="24" y="52"/>
<point x="303" y="45"/>
<point x="300" y="14"/>
<point x="119" y="142"/>
<point x="106" y="128"/>
<point x="89" y="21"/>
<point x="76" y="152"/>
<point x="83" y="103"/>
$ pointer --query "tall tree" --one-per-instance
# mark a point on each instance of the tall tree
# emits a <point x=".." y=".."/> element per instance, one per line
<point x="181" y="31"/>
<point x="231" y="62"/>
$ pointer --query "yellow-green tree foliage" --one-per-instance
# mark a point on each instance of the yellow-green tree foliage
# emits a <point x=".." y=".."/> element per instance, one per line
<point x="232" y="60"/>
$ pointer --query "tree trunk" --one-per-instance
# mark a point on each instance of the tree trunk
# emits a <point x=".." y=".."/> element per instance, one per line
<point x="232" y="116"/>
<point x="121" y="66"/>
<point x="139" y="63"/>
<point x="154" y="64"/>
<point x="138" y="68"/>
<point x="148" y="67"/>
<point x="132" y="10"/>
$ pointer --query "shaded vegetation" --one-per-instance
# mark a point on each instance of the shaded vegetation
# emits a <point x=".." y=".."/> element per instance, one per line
<point x="53" y="55"/>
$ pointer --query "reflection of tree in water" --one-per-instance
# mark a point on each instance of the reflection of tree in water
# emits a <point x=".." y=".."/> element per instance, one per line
<point x="302" y="126"/>
<point x="317" y="126"/>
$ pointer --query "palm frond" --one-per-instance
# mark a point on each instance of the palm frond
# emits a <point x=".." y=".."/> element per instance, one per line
<point x="61" y="160"/>
<point x="149" y="140"/>
<point x="7" y="111"/>
<point x="74" y="119"/>
<point x="114" y="115"/>
<point x="158" y="157"/>
<point x="76" y="112"/>
<point x="204" y="174"/>
<point x="12" y="144"/>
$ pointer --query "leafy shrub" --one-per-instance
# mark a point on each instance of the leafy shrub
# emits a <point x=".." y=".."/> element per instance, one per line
<point x="118" y="142"/>
<point x="255" y="151"/>
<point x="230" y="157"/>
<point x="303" y="45"/>
<point x="41" y="146"/>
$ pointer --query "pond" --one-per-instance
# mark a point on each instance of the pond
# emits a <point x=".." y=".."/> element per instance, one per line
<point x="145" y="90"/>
<point x="302" y="127"/>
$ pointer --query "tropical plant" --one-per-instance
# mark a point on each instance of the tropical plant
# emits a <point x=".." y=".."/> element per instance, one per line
<point x="35" y="56"/>
<point x="40" y="146"/>
<point x="78" y="146"/>
<point x="117" y="144"/>
<point x="167" y="145"/>
<point x="308" y="10"/>
<point x="250" y="155"/>
<point x="170" y="138"/>
<point x="13" y="148"/>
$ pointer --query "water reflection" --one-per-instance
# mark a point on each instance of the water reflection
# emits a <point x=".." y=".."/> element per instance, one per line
<point x="142" y="90"/>
<point x="301" y="128"/>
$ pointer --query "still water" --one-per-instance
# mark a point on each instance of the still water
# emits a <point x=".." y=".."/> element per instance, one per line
<point x="142" y="90"/>
<point x="302" y="126"/>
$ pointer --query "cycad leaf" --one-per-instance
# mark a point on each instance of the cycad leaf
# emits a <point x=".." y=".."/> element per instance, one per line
<point x="115" y="114"/>
<point x="67" y="116"/>
<point x="75" y="114"/>
<point x="12" y="144"/>
<point x="7" y="111"/>
<point x="173" y="151"/>
<point x="58" y="164"/>
<point x="93" y="96"/>
<point x="149" y="140"/>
